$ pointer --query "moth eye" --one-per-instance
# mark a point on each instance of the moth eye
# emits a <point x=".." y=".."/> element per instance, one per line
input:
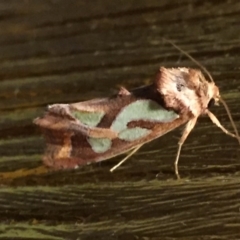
<point x="211" y="103"/>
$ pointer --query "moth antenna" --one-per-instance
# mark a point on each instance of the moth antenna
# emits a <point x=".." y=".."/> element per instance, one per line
<point x="191" y="58"/>
<point x="230" y="118"/>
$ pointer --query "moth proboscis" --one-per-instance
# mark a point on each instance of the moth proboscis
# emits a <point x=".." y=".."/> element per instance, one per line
<point x="99" y="129"/>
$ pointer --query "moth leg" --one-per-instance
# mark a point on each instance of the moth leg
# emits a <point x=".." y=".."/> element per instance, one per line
<point x="126" y="158"/>
<point x="216" y="121"/>
<point x="189" y="127"/>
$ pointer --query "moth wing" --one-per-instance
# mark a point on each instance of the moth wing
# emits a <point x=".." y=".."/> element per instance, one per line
<point x="75" y="137"/>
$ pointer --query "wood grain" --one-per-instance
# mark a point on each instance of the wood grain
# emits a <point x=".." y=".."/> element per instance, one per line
<point x="69" y="51"/>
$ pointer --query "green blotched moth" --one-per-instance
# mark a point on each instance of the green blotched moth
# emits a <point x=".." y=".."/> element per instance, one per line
<point x="99" y="129"/>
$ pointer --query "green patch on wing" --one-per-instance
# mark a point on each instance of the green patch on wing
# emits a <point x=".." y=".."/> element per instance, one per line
<point x="91" y="119"/>
<point x="147" y="110"/>
<point x="131" y="134"/>
<point x="100" y="145"/>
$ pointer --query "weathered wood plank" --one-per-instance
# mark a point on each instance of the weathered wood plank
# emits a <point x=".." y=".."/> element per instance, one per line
<point x="179" y="210"/>
<point x="67" y="51"/>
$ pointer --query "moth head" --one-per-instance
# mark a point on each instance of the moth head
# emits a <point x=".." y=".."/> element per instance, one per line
<point x="212" y="95"/>
<point x="208" y="92"/>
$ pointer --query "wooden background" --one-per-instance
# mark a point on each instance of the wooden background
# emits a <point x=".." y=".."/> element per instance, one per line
<point x="54" y="51"/>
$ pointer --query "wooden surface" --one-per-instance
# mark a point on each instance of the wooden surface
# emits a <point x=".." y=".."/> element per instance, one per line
<point x="68" y="51"/>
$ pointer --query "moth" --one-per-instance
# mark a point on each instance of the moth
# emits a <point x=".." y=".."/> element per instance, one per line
<point x="99" y="129"/>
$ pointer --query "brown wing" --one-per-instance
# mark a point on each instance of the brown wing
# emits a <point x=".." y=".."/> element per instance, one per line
<point x="85" y="132"/>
